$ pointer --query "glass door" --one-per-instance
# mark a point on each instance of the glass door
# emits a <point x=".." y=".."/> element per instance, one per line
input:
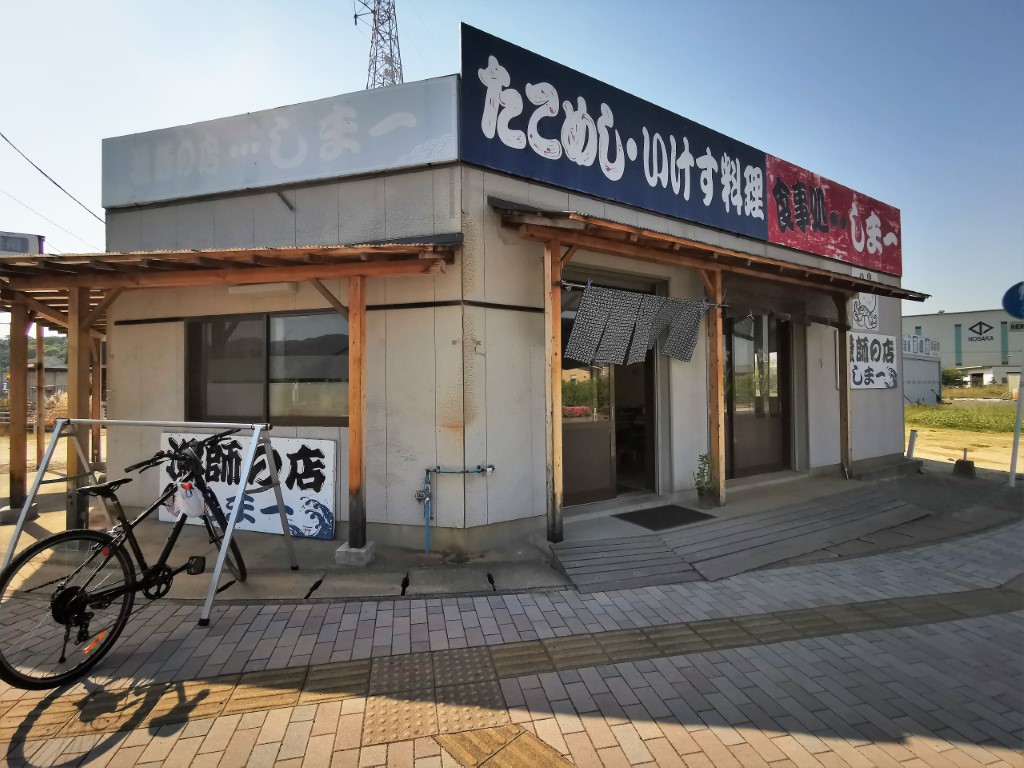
<point x="588" y="433"/>
<point x="757" y="424"/>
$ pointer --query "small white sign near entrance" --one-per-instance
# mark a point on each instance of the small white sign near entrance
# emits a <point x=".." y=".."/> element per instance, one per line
<point x="873" y="363"/>
<point x="305" y="471"/>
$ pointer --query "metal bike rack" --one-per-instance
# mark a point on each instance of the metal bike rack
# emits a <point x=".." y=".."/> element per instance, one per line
<point x="67" y="428"/>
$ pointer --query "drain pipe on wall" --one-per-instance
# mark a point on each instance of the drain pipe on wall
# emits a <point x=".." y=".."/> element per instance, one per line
<point x="424" y="494"/>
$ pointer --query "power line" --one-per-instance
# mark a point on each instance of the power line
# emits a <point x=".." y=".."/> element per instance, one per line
<point x="58" y="226"/>
<point x="429" y="33"/>
<point x="52" y="181"/>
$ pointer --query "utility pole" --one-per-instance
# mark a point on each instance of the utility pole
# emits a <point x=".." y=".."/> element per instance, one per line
<point x="385" y="55"/>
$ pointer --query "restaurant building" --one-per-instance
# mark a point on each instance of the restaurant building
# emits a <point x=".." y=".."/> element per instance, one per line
<point x="391" y="278"/>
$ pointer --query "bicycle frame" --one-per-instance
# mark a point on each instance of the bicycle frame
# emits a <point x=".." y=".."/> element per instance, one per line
<point x="127" y="534"/>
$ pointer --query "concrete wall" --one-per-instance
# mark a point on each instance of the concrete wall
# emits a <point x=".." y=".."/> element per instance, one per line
<point x="458" y="385"/>
<point x="822" y="397"/>
<point x="414" y="357"/>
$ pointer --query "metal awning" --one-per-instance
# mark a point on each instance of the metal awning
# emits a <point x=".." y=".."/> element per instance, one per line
<point x="41" y="282"/>
<point x="582" y="230"/>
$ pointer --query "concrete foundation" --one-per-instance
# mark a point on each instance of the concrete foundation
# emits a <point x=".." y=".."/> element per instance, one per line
<point x="10" y="515"/>
<point x="355" y="558"/>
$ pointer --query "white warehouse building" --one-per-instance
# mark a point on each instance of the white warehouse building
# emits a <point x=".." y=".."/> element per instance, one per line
<point x="985" y="345"/>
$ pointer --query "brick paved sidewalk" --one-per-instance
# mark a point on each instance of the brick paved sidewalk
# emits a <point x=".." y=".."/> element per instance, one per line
<point x="163" y="642"/>
<point x="924" y="668"/>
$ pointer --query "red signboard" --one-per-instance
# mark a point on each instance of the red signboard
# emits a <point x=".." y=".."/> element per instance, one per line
<point x="810" y="213"/>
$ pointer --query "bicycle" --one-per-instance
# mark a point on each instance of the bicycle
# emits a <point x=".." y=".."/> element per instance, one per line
<point x="65" y="600"/>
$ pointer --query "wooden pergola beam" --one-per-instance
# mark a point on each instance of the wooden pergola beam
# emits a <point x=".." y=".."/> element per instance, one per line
<point x="333" y="300"/>
<point x="289" y="254"/>
<point x="19" y="404"/>
<point x="845" y="434"/>
<point x="234" y="276"/>
<point x="100" y="308"/>
<point x="553" y="385"/>
<point x="616" y="239"/>
<point x="95" y="400"/>
<point x="79" y="347"/>
<point x="45" y="311"/>
<point x="40" y="393"/>
<point x="716" y="377"/>
<point x="356" y="412"/>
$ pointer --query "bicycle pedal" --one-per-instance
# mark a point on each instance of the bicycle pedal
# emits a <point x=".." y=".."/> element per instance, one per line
<point x="196" y="565"/>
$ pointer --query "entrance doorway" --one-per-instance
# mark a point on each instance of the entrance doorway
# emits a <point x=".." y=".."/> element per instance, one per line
<point x="757" y="422"/>
<point x="608" y="423"/>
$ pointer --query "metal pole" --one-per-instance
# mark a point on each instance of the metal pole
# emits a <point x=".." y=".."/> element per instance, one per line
<point x="58" y="428"/>
<point x="1016" y="429"/>
<point x="268" y="451"/>
<point x="204" y="617"/>
<point x="913" y="442"/>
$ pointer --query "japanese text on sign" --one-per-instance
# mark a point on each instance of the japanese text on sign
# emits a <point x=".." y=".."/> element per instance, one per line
<point x="305" y="471"/>
<point x="873" y="363"/>
<point x="528" y="115"/>
<point x="381" y="129"/>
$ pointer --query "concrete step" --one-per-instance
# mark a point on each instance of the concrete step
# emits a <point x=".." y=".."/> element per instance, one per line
<point x="884" y="468"/>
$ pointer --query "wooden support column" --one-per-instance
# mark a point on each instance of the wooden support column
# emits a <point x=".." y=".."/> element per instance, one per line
<point x="40" y="393"/>
<point x="18" y="399"/>
<point x="356" y="412"/>
<point x="96" y="401"/>
<point x="553" y="388"/>
<point x="79" y="346"/>
<point x="845" y="435"/>
<point x="716" y="377"/>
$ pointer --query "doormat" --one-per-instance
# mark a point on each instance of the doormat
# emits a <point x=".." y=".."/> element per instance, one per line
<point x="662" y="518"/>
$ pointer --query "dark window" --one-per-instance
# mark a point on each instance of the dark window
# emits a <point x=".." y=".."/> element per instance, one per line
<point x="282" y="369"/>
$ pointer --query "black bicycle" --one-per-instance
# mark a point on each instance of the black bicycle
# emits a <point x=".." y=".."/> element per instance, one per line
<point x="65" y="600"/>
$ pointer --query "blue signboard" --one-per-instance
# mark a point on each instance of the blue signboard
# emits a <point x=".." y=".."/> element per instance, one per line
<point x="529" y="116"/>
<point x="1013" y="300"/>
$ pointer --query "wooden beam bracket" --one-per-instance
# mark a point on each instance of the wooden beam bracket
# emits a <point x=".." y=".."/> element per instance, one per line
<point x="333" y="300"/>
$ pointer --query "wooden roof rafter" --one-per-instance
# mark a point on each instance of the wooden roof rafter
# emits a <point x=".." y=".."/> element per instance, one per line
<point x="42" y="282"/>
<point x="596" y="233"/>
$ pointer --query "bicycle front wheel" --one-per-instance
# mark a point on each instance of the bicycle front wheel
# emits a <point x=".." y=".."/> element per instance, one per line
<point x="63" y="603"/>
<point x="217" y="524"/>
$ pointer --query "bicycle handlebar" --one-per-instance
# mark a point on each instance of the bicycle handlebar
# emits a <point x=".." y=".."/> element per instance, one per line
<point x="161" y="456"/>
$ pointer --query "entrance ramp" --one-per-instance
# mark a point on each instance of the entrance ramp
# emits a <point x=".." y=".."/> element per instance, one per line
<point x="723" y="547"/>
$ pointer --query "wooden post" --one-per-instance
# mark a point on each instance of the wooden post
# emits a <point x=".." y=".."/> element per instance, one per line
<point x="96" y="401"/>
<point x="78" y="398"/>
<point x="716" y="375"/>
<point x="40" y="393"/>
<point x="845" y="436"/>
<point x="18" y="399"/>
<point x="553" y="389"/>
<point x="356" y="412"/>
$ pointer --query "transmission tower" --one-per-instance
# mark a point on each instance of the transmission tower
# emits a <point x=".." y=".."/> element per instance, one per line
<point x="385" y="55"/>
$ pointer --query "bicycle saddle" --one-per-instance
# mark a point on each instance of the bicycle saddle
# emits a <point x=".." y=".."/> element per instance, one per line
<point x="106" y="490"/>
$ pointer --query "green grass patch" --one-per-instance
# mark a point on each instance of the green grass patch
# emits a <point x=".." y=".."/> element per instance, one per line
<point x="991" y="391"/>
<point x="969" y="416"/>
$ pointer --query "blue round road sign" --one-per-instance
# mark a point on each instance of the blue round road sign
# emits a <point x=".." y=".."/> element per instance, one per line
<point x="1013" y="300"/>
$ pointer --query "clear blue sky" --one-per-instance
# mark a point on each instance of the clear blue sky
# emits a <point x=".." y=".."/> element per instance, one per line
<point x="919" y="103"/>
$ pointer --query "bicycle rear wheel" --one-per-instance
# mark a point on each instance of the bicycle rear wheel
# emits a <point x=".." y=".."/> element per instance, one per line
<point x="217" y="524"/>
<point x="61" y="608"/>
